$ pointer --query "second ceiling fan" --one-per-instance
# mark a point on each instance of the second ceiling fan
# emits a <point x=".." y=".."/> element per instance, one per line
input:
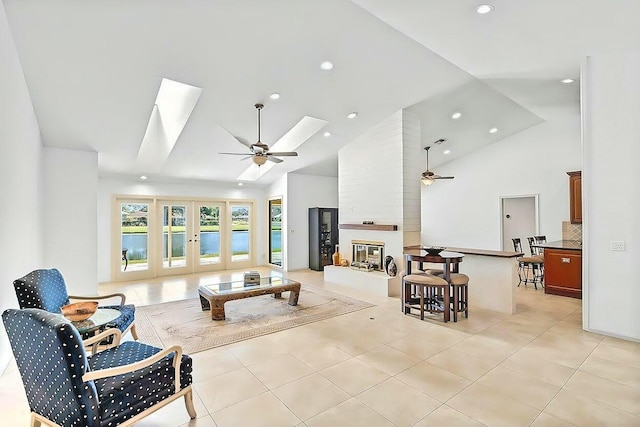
<point x="260" y="152"/>
<point x="429" y="177"/>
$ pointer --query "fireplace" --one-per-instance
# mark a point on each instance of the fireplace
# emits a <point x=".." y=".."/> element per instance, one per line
<point x="367" y="255"/>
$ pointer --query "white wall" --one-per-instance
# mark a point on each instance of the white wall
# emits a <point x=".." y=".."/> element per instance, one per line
<point x="465" y="211"/>
<point x="21" y="212"/>
<point x="412" y="153"/>
<point x="304" y="192"/>
<point x="371" y="186"/>
<point x="610" y="197"/>
<point x="109" y="187"/>
<point x="70" y="222"/>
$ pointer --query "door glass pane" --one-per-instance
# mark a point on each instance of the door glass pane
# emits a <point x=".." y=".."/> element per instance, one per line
<point x="134" y="236"/>
<point x="174" y="247"/>
<point x="275" y="232"/>
<point x="209" y="235"/>
<point x="240" y="233"/>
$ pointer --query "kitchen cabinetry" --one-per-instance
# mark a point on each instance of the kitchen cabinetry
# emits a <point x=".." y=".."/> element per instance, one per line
<point x="563" y="272"/>
<point x="575" y="197"/>
<point x="323" y="236"/>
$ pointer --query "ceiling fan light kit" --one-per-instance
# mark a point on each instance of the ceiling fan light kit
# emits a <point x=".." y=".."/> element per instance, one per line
<point x="429" y="177"/>
<point x="259" y="151"/>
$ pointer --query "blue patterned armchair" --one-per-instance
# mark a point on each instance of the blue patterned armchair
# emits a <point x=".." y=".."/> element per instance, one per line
<point x="45" y="289"/>
<point x="115" y="387"/>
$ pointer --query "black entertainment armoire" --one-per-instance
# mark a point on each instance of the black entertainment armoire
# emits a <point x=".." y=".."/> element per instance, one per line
<point x="323" y="236"/>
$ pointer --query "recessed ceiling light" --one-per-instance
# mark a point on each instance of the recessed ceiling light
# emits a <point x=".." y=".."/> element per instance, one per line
<point x="567" y="81"/>
<point x="274" y="95"/>
<point x="493" y="130"/>
<point x="240" y="184"/>
<point x="456" y="115"/>
<point x="326" y="65"/>
<point x="327" y="134"/>
<point x="352" y="115"/>
<point x="143" y="177"/>
<point x="447" y="151"/>
<point x="484" y="8"/>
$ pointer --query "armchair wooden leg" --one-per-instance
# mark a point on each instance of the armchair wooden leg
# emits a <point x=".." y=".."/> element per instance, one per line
<point x="37" y="420"/>
<point x="134" y="334"/>
<point x="188" y="401"/>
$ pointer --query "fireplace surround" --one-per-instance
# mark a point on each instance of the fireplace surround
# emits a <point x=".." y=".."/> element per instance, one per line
<point x="367" y="255"/>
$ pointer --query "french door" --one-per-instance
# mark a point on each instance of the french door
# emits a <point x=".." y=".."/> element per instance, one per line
<point x="171" y="237"/>
<point x="240" y="254"/>
<point x="275" y="232"/>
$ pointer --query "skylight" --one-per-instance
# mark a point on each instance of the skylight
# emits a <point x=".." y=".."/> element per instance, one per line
<point x="173" y="106"/>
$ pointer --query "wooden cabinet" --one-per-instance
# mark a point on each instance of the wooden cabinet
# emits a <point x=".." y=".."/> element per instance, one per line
<point x="575" y="197"/>
<point x="323" y="236"/>
<point x="563" y="272"/>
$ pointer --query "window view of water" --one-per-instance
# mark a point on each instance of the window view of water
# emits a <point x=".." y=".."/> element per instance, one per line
<point x="136" y="244"/>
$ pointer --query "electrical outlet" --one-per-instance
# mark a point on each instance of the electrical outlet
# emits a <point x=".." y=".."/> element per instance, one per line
<point x="617" y="245"/>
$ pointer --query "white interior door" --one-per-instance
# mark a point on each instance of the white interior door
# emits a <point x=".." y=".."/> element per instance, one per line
<point x="519" y="220"/>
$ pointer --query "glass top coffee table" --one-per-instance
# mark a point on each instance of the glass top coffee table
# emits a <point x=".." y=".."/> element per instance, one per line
<point x="213" y="297"/>
<point x="101" y="317"/>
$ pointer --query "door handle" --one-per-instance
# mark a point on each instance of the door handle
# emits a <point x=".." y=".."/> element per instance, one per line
<point x="566" y="260"/>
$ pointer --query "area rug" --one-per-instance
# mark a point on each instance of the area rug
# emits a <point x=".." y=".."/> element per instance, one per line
<point x="184" y="323"/>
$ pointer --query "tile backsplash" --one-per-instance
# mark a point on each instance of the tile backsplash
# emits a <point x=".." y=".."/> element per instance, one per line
<point x="571" y="231"/>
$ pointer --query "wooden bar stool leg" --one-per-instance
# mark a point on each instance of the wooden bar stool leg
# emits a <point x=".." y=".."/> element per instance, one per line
<point x="447" y="304"/>
<point x="466" y="301"/>
<point x="422" y="290"/>
<point x="456" y="303"/>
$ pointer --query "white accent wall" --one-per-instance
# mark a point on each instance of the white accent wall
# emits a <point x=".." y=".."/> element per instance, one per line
<point x="611" y="195"/>
<point x="70" y="222"/>
<point x="465" y="211"/>
<point x="107" y="188"/>
<point x="304" y="192"/>
<point x="379" y="181"/>
<point x="21" y="208"/>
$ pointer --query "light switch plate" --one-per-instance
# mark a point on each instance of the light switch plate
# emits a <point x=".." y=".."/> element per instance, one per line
<point x="617" y="245"/>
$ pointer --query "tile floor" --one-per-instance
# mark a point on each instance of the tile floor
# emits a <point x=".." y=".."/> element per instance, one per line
<point x="378" y="367"/>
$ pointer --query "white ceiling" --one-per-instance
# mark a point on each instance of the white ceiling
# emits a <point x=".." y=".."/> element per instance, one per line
<point x="94" y="69"/>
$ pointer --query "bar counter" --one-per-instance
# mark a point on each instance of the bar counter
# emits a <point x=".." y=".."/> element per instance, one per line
<point x="493" y="276"/>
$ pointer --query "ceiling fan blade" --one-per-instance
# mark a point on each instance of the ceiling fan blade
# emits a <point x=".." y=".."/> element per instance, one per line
<point x="237" y="154"/>
<point x="283" y="153"/>
<point x="242" y="141"/>
<point x="442" y="177"/>
<point x="274" y="159"/>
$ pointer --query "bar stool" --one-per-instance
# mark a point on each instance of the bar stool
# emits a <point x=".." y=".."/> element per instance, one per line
<point x="460" y="286"/>
<point x="428" y="288"/>
<point x="460" y="294"/>
<point x="538" y="253"/>
<point x="529" y="268"/>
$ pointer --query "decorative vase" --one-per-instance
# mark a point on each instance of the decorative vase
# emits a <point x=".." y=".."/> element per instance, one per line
<point x="337" y="258"/>
<point x="390" y="266"/>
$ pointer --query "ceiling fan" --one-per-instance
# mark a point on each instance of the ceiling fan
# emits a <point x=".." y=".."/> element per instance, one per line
<point x="260" y="152"/>
<point x="429" y="177"/>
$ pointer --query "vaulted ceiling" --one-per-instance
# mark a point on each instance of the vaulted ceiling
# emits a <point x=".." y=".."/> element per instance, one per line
<point x="94" y="68"/>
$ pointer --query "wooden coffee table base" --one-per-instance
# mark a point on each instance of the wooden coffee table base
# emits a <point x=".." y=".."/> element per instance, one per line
<point x="215" y="302"/>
